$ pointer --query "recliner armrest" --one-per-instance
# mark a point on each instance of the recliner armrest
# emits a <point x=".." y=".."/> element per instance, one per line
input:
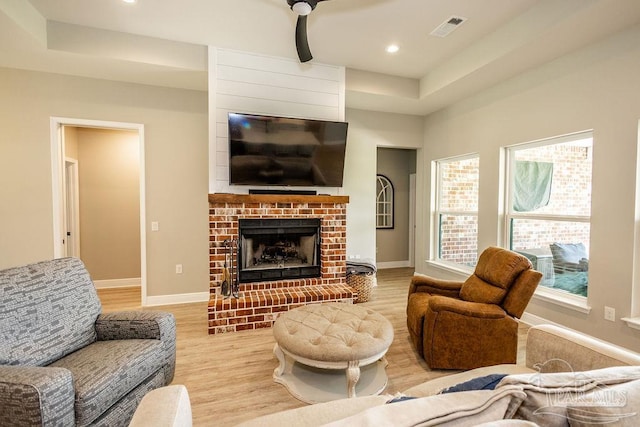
<point x="432" y="285"/>
<point x="466" y="308"/>
<point x="122" y="325"/>
<point x="34" y="395"/>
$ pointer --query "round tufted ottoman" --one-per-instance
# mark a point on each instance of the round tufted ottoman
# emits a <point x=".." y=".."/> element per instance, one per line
<point x="331" y="351"/>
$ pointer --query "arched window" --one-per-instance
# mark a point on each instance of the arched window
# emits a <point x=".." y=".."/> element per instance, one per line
<point x="384" y="202"/>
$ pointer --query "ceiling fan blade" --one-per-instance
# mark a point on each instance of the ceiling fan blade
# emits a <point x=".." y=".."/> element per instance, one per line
<point x="302" y="44"/>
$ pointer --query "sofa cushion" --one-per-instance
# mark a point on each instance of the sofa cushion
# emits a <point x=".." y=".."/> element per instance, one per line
<point x="468" y="408"/>
<point x="558" y="399"/>
<point x="620" y="407"/>
<point x="164" y="407"/>
<point x="47" y="310"/>
<point x="317" y="414"/>
<point x="106" y="371"/>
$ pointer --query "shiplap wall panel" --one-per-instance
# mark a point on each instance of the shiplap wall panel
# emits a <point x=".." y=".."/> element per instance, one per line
<point x="251" y="76"/>
<point x="257" y="84"/>
<point x="278" y="65"/>
<point x="275" y="93"/>
<point x="275" y="107"/>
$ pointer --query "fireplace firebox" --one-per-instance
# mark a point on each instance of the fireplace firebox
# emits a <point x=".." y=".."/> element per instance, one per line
<point x="278" y="249"/>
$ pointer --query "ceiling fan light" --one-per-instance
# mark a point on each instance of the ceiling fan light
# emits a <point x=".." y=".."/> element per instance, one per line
<point x="302" y="8"/>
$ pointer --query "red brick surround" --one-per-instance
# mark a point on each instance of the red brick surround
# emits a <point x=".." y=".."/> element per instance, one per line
<point x="260" y="302"/>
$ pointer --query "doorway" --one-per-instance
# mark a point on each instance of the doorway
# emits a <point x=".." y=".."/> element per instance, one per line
<point x="395" y="245"/>
<point x="72" y="178"/>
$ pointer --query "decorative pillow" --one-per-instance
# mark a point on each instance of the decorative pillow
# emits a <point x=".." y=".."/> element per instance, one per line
<point x="400" y="398"/>
<point x="560" y="399"/>
<point x="436" y="385"/>
<point x="488" y="382"/>
<point x="468" y="408"/>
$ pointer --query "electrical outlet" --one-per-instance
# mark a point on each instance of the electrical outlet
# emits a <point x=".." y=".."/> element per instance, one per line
<point x="155" y="226"/>
<point x="609" y="313"/>
<point x="178" y="268"/>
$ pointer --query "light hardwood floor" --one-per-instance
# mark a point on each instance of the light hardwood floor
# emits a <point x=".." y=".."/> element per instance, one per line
<point x="229" y="376"/>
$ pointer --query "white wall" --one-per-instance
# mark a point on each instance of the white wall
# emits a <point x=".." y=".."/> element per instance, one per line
<point x="369" y="130"/>
<point x="595" y="88"/>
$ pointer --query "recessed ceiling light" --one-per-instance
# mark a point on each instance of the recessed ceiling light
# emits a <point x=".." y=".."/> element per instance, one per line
<point x="129" y="1"/>
<point x="392" y="48"/>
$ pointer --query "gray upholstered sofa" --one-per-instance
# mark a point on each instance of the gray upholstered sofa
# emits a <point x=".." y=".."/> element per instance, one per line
<point x="62" y="362"/>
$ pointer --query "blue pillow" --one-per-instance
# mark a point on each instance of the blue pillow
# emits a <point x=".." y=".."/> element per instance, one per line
<point x="488" y="382"/>
<point x="400" y="399"/>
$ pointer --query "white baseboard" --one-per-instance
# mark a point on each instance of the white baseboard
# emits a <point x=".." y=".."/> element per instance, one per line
<point x="533" y="320"/>
<point x="392" y="264"/>
<point x="176" y="299"/>
<point x="117" y="283"/>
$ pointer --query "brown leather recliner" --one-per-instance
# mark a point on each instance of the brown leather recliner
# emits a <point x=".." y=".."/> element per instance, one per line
<point x="466" y="325"/>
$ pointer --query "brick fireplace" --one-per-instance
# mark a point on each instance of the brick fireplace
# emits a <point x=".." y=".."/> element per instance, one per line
<point x="260" y="302"/>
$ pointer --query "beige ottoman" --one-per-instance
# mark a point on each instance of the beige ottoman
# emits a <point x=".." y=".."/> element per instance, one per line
<point x="331" y="351"/>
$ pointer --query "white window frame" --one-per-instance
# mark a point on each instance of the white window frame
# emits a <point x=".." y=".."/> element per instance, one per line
<point x="437" y="213"/>
<point x="565" y="299"/>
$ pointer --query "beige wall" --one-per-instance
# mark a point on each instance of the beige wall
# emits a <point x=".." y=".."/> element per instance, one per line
<point x="369" y="130"/>
<point x="70" y="142"/>
<point x="176" y="138"/>
<point x="596" y="88"/>
<point x="396" y="165"/>
<point x="109" y="181"/>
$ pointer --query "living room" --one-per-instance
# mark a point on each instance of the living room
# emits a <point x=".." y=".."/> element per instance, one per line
<point x="593" y="87"/>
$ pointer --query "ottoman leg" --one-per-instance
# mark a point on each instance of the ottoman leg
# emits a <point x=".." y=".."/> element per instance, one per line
<point x="353" y="375"/>
<point x="282" y="361"/>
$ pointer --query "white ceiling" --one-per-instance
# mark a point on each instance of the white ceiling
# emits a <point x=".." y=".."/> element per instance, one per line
<point x="163" y="42"/>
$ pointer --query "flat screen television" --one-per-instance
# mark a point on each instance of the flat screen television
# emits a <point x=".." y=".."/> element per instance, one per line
<point x="282" y="151"/>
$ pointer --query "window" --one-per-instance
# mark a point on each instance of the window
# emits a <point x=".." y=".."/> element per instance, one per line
<point x="548" y="210"/>
<point x="456" y="210"/>
<point x="384" y="202"/>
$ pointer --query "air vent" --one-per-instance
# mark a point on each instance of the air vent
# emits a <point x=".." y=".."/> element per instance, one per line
<point x="448" y="26"/>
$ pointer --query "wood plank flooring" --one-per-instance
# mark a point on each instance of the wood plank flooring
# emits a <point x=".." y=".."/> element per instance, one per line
<point x="229" y="376"/>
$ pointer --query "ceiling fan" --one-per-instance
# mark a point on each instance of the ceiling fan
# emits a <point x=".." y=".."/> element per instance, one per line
<point x="303" y="8"/>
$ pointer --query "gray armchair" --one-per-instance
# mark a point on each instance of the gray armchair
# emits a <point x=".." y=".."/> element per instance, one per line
<point x="62" y="362"/>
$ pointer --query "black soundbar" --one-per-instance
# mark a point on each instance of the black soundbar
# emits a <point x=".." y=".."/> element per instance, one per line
<point x="291" y="192"/>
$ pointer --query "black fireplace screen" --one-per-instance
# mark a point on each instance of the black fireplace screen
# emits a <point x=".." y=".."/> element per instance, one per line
<point x="279" y="249"/>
